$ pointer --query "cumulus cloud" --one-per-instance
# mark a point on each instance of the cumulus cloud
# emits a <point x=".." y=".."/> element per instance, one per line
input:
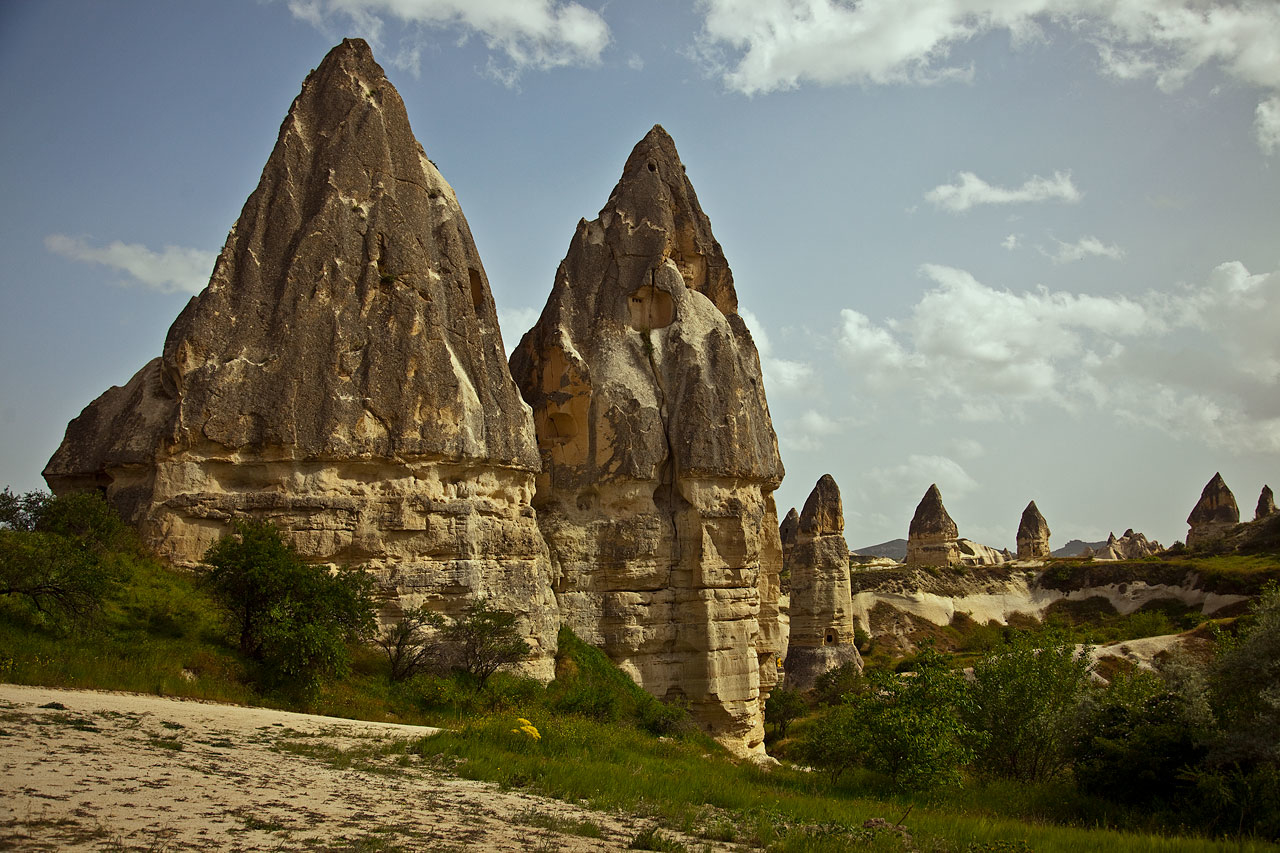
<point x="526" y="34"/>
<point x="766" y="45"/>
<point x="174" y="270"/>
<point x="970" y="191"/>
<point x="1191" y="360"/>
<point x="1010" y="242"/>
<point x="1085" y="247"/>
<point x="779" y="373"/>
<point x="1266" y="125"/>
<point x="514" y="322"/>
<point x="809" y="430"/>
<point x="921" y="471"/>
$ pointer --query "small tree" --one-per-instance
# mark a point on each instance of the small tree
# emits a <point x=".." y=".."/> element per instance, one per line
<point x="59" y="553"/>
<point x="411" y="643"/>
<point x="293" y="618"/>
<point x="782" y="708"/>
<point x="485" y="639"/>
<point x="1025" y="700"/>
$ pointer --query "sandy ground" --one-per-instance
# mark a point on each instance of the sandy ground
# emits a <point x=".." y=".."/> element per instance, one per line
<point x="87" y="770"/>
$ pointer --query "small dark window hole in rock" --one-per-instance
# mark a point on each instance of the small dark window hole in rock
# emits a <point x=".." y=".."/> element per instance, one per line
<point x="477" y="289"/>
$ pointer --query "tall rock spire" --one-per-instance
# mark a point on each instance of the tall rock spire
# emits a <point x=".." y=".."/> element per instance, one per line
<point x="659" y="457"/>
<point x="821" y="631"/>
<point x="932" y="537"/>
<point x="342" y="375"/>
<point x="1033" y="534"/>
<point x="1214" y="514"/>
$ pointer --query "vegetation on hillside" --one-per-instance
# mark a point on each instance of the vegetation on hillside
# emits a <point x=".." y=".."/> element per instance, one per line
<point x="1026" y="756"/>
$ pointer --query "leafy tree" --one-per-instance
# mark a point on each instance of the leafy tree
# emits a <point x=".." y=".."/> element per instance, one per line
<point x="833" y="685"/>
<point x="782" y="708"/>
<point x="1025" y="699"/>
<point x="60" y="553"/>
<point x="411" y="644"/>
<point x="295" y="619"/>
<point x="909" y="726"/>
<point x="485" y="639"/>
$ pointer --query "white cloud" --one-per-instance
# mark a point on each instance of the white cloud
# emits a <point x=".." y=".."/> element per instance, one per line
<point x="1085" y="247"/>
<point x="175" y="270"/>
<point x="970" y="191"/>
<point x="779" y="373"/>
<point x="514" y="322"/>
<point x="1198" y="361"/>
<point x="920" y="471"/>
<point x="1010" y="242"/>
<point x="761" y="46"/>
<point x="808" y="431"/>
<point x="527" y="34"/>
<point x="1266" y="125"/>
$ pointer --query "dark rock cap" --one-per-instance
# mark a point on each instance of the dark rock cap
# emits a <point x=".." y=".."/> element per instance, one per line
<point x="1216" y="506"/>
<point x="1266" y="504"/>
<point x="823" y="512"/>
<point x="931" y="518"/>
<point x="1033" y="525"/>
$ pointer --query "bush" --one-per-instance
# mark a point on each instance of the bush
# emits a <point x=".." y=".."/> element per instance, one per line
<point x="59" y="554"/>
<point x="833" y="685"/>
<point x="484" y="640"/>
<point x="1025" y="700"/>
<point x="782" y="708"/>
<point x="293" y="618"/>
<point x="411" y="644"/>
<point x="908" y="726"/>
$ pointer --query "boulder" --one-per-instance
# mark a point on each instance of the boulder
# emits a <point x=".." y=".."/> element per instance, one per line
<point x="1214" y="515"/>
<point x="342" y="376"/>
<point x="1266" y="504"/>
<point x="658" y="453"/>
<point x="821" y="634"/>
<point x="932" y="536"/>
<point x="1033" y="534"/>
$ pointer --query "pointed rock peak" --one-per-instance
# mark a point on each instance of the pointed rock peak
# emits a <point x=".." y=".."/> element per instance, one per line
<point x="1216" y="506"/>
<point x="823" y="511"/>
<point x="1032" y="525"/>
<point x="654" y="189"/>
<point x="1111" y="538"/>
<point x="931" y="517"/>
<point x="787" y="530"/>
<point x="1266" y="504"/>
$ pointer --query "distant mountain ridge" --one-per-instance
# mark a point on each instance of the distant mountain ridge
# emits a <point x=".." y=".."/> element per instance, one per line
<point x="1075" y="548"/>
<point x="894" y="549"/>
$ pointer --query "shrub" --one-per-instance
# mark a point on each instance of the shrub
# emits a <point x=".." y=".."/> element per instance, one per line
<point x="411" y="642"/>
<point x="1025" y="699"/>
<point x="295" y="619"/>
<point x="485" y="639"/>
<point x="833" y="685"/>
<point x="782" y="708"/>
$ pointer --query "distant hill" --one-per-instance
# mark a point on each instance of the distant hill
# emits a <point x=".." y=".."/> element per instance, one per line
<point x="1076" y="547"/>
<point x="894" y="549"/>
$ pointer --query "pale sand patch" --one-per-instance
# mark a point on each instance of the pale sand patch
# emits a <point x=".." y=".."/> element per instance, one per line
<point x="120" y="771"/>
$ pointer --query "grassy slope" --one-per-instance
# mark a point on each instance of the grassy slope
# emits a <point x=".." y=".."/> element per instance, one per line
<point x="158" y="634"/>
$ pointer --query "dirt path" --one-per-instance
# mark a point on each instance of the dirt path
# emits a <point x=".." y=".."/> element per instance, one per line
<point x="87" y="770"/>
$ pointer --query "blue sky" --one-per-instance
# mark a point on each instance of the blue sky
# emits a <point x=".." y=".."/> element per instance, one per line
<point x="1025" y="249"/>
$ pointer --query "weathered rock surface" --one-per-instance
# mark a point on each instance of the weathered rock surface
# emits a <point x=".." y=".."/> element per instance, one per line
<point x="342" y="376"/>
<point x="931" y="538"/>
<point x="821" y="632"/>
<point x="1266" y="504"/>
<point x="1033" y="534"/>
<point x="1214" y="515"/>
<point x="1130" y="546"/>
<point x="787" y="530"/>
<point x="659" y="457"/>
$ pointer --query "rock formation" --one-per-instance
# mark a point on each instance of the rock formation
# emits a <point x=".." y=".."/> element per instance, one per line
<point x="1214" y="515"/>
<point x="787" y="531"/>
<point x="659" y="456"/>
<point x="342" y="376"/>
<point x="1266" y="504"/>
<point x="1130" y="546"/>
<point x="821" y="631"/>
<point x="1033" y="534"/>
<point x="932" y="536"/>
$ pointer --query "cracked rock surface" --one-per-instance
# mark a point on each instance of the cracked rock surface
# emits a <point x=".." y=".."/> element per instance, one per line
<point x="659" y="456"/>
<point x="342" y="376"/>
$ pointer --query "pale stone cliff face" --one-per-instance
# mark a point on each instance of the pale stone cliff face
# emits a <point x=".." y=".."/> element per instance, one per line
<point x="932" y="536"/>
<point x="342" y="376"/>
<point x="659" y="456"/>
<point x="1033" y="534"/>
<point x="821" y="630"/>
<point x="1130" y="546"/>
<point x="1214" y="515"/>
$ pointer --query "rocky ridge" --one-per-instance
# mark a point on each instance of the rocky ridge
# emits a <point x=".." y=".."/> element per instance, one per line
<point x="1214" y="514"/>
